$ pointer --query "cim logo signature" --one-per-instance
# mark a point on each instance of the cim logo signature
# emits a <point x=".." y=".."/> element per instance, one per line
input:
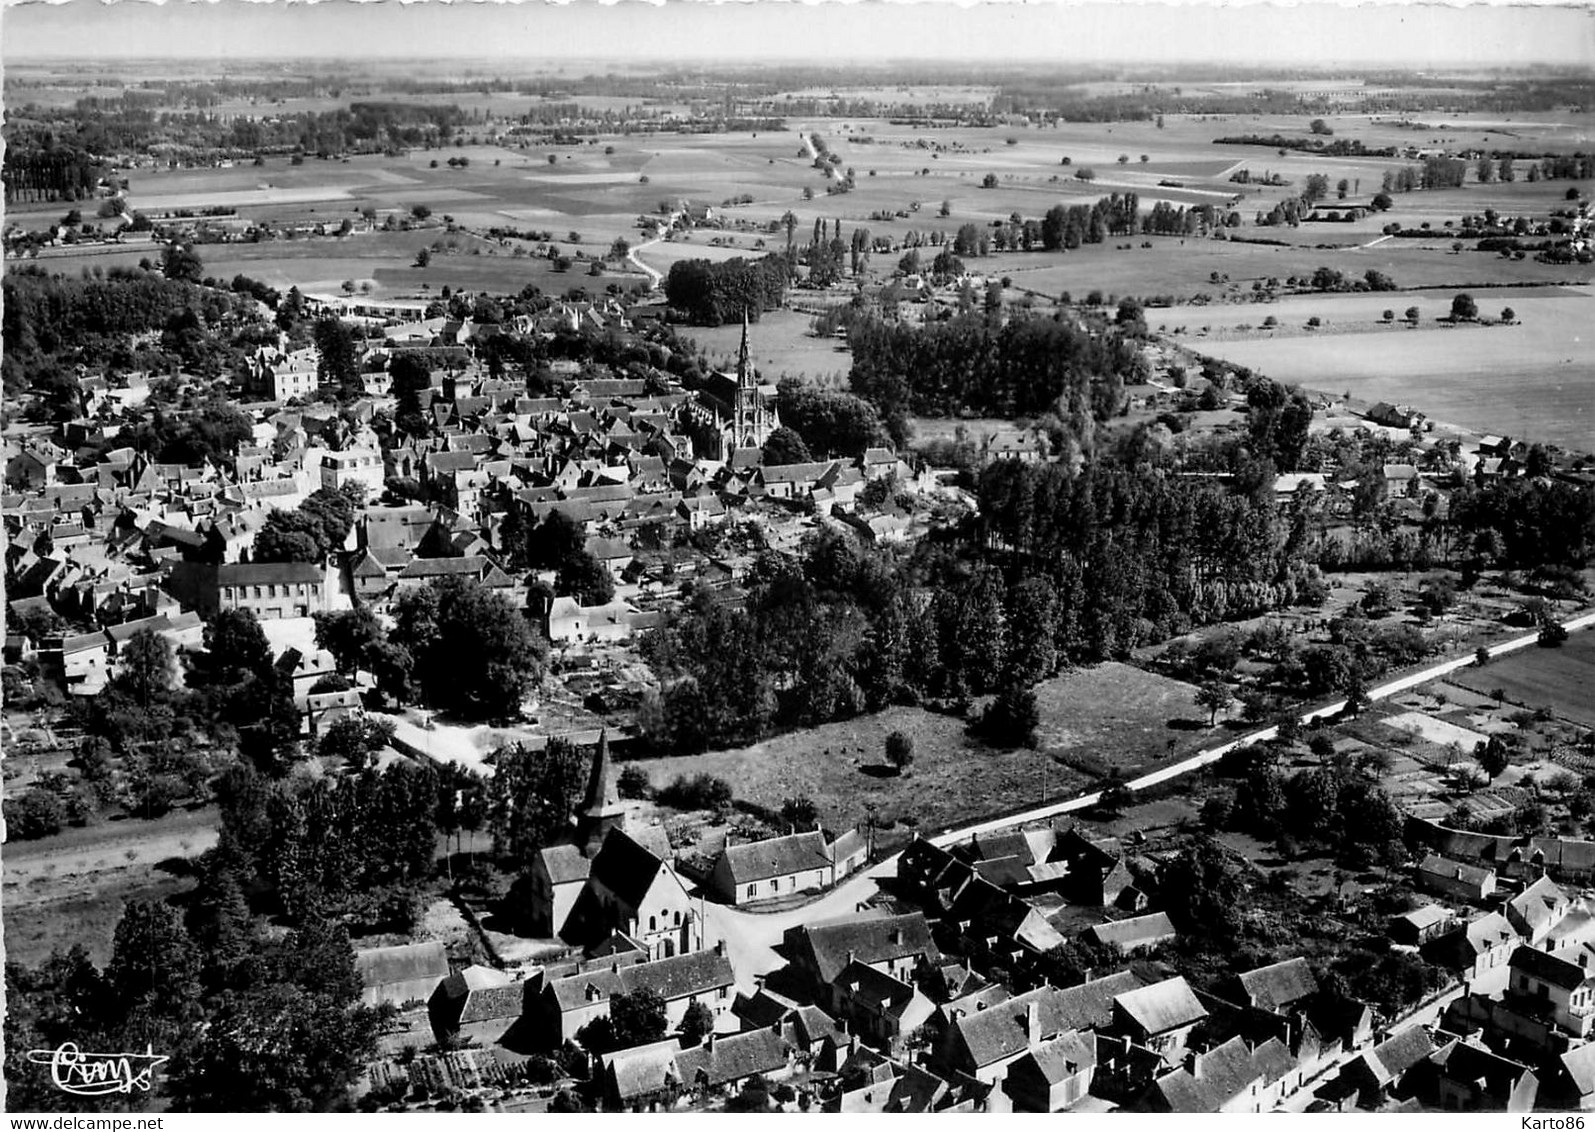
<point x="87" y="1074"/>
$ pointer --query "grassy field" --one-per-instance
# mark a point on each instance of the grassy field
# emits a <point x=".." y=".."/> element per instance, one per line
<point x="1120" y="718"/>
<point x="1109" y="716"/>
<point x="69" y="889"/>
<point x="1534" y="380"/>
<point x="842" y="767"/>
<point x="781" y="345"/>
<point x="1562" y="679"/>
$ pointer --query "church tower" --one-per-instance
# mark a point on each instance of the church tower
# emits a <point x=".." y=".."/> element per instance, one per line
<point x="601" y="811"/>
<point x="753" y="418"/>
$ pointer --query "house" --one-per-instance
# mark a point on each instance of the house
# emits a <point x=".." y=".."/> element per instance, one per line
<point x="1401" y="480"/>
<point x="353" y="465"/>
<point x="1372" y="1079"/>
<point x="613" y="554"/>
<point x="1279" y="988"/>
<point x="1395" y="416"/>
<point x="642" y="1078"/>
<point x="403" y="974"/>
<point x="1159" y="1017"/>
<point x="1051" y="1075"/>
<point x="722" y="1063"/>
<point x="895" y="945"/>
<point x="77" y="662"/>
<point x="1287" y="485"/>
<point x="1573" y="1085"/>
<point x="1231" y="1077"/>
<point x="1470" y="1079"/>
<point x="778" y="866"/>
<point x="702" y="511"/>
<point x="478" y="1003"/>
<point x="983" y="1044"/>
<point x="1420" y="926"/>
<point x="885" y="1085"/>
<point x="879" y="1008"/>
<point x="269" y="590"/>
<point x="567" y="1004"/>
<point x="1475" y="948"/>
<point x="1538" y="909"/>
<point x="1459" y="881"/>
<point x="1558" y="988"/>
<point x="1135" y="933"/>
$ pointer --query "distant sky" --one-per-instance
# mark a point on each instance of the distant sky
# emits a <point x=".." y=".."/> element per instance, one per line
<point x="1427" y="36"/>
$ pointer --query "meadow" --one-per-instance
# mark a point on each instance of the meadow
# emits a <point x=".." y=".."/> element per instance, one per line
<point x="1534" y="379"/>
<point x="1562" y="679"/>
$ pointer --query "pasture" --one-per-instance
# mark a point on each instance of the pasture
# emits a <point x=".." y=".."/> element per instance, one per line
<point x="1562" y="679"/>
<point x="1535" y="379"/>
<point x="842" y="768"/>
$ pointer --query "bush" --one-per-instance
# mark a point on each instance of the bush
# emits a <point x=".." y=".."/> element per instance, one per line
<point x="698" y="792"/>
<point x="633" y="782"/>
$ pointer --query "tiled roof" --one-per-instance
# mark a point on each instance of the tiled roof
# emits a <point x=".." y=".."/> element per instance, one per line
<point x="776" y="857"/>
<point x="269" y="573"/>
<point x="998" y="1032"/>
<point x="1163" y="1006"/>
<point x="724" y="1060"/>
<point x="1279" y="984"/>
<point x="877" y="940"/>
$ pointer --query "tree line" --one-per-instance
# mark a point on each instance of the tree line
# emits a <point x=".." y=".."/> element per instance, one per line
<point x="1024" y="367"/>
<point x="711" y="294"/>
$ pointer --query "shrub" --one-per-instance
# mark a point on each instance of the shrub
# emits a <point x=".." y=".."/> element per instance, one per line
<point x="633" y="782"/>
<point x="698" y="792"/>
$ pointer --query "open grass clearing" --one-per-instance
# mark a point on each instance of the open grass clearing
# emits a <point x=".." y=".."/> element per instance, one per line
<point x="842" y="767"/>
<point x="1534" y="380"/>
<point x="1562" y="679"/>
<point x="781" y="346"/>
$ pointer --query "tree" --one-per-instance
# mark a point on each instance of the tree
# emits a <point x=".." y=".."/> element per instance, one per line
<point x="180" y="262"/>
<point x="1012" y="718"/>
<point x="1412" y="315"/>
<point x="584" y="577"/>
<point x="423" y="258"/>
<point x="785" y="446"/>
<point x="633" y="782"/>
<point x="1493" y="756"/>
<point x="697" y="1023"/>
<point x="637" y="1018"/>
<point x="146" y="666"/>
<point x="1215" y="697"/>
<point x="352" y="636"/>
<point x="1508" y="315"/>
<point x="1463" y="308"/>
<point x="355" y="740"/>
<point x="473" y="651"/>
<point x="1320" y="127"/>
<point x="1203" y="892"/>
<point x="237" y="646"/>
<point x="532" y="797"/>
<point x="338" y="363"/>
<point x="800" y="814"/>
<point x="989" y="181"/>
<point x="900" y="750"/>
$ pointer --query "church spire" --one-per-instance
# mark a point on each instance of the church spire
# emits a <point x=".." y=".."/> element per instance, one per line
<point x="601" y="794"/>
<point x="744" y="364"/>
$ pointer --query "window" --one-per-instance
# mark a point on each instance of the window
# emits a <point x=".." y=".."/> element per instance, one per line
<point x="752" y="888"/>
<point x="257" y="591"/>
<point x="653" y="924"/>
<point x="678" y="919"/>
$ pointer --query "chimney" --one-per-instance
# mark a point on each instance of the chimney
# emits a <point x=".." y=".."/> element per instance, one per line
<point x="852" y="957"/>
<point x="1033" y="1024"/>
<point x="708" y="1043"/>
<point x="1193" y="1064"/>
<point x="720" y="946"/>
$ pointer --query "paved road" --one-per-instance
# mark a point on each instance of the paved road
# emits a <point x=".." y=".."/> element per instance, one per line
<point x="750" y="936"/>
